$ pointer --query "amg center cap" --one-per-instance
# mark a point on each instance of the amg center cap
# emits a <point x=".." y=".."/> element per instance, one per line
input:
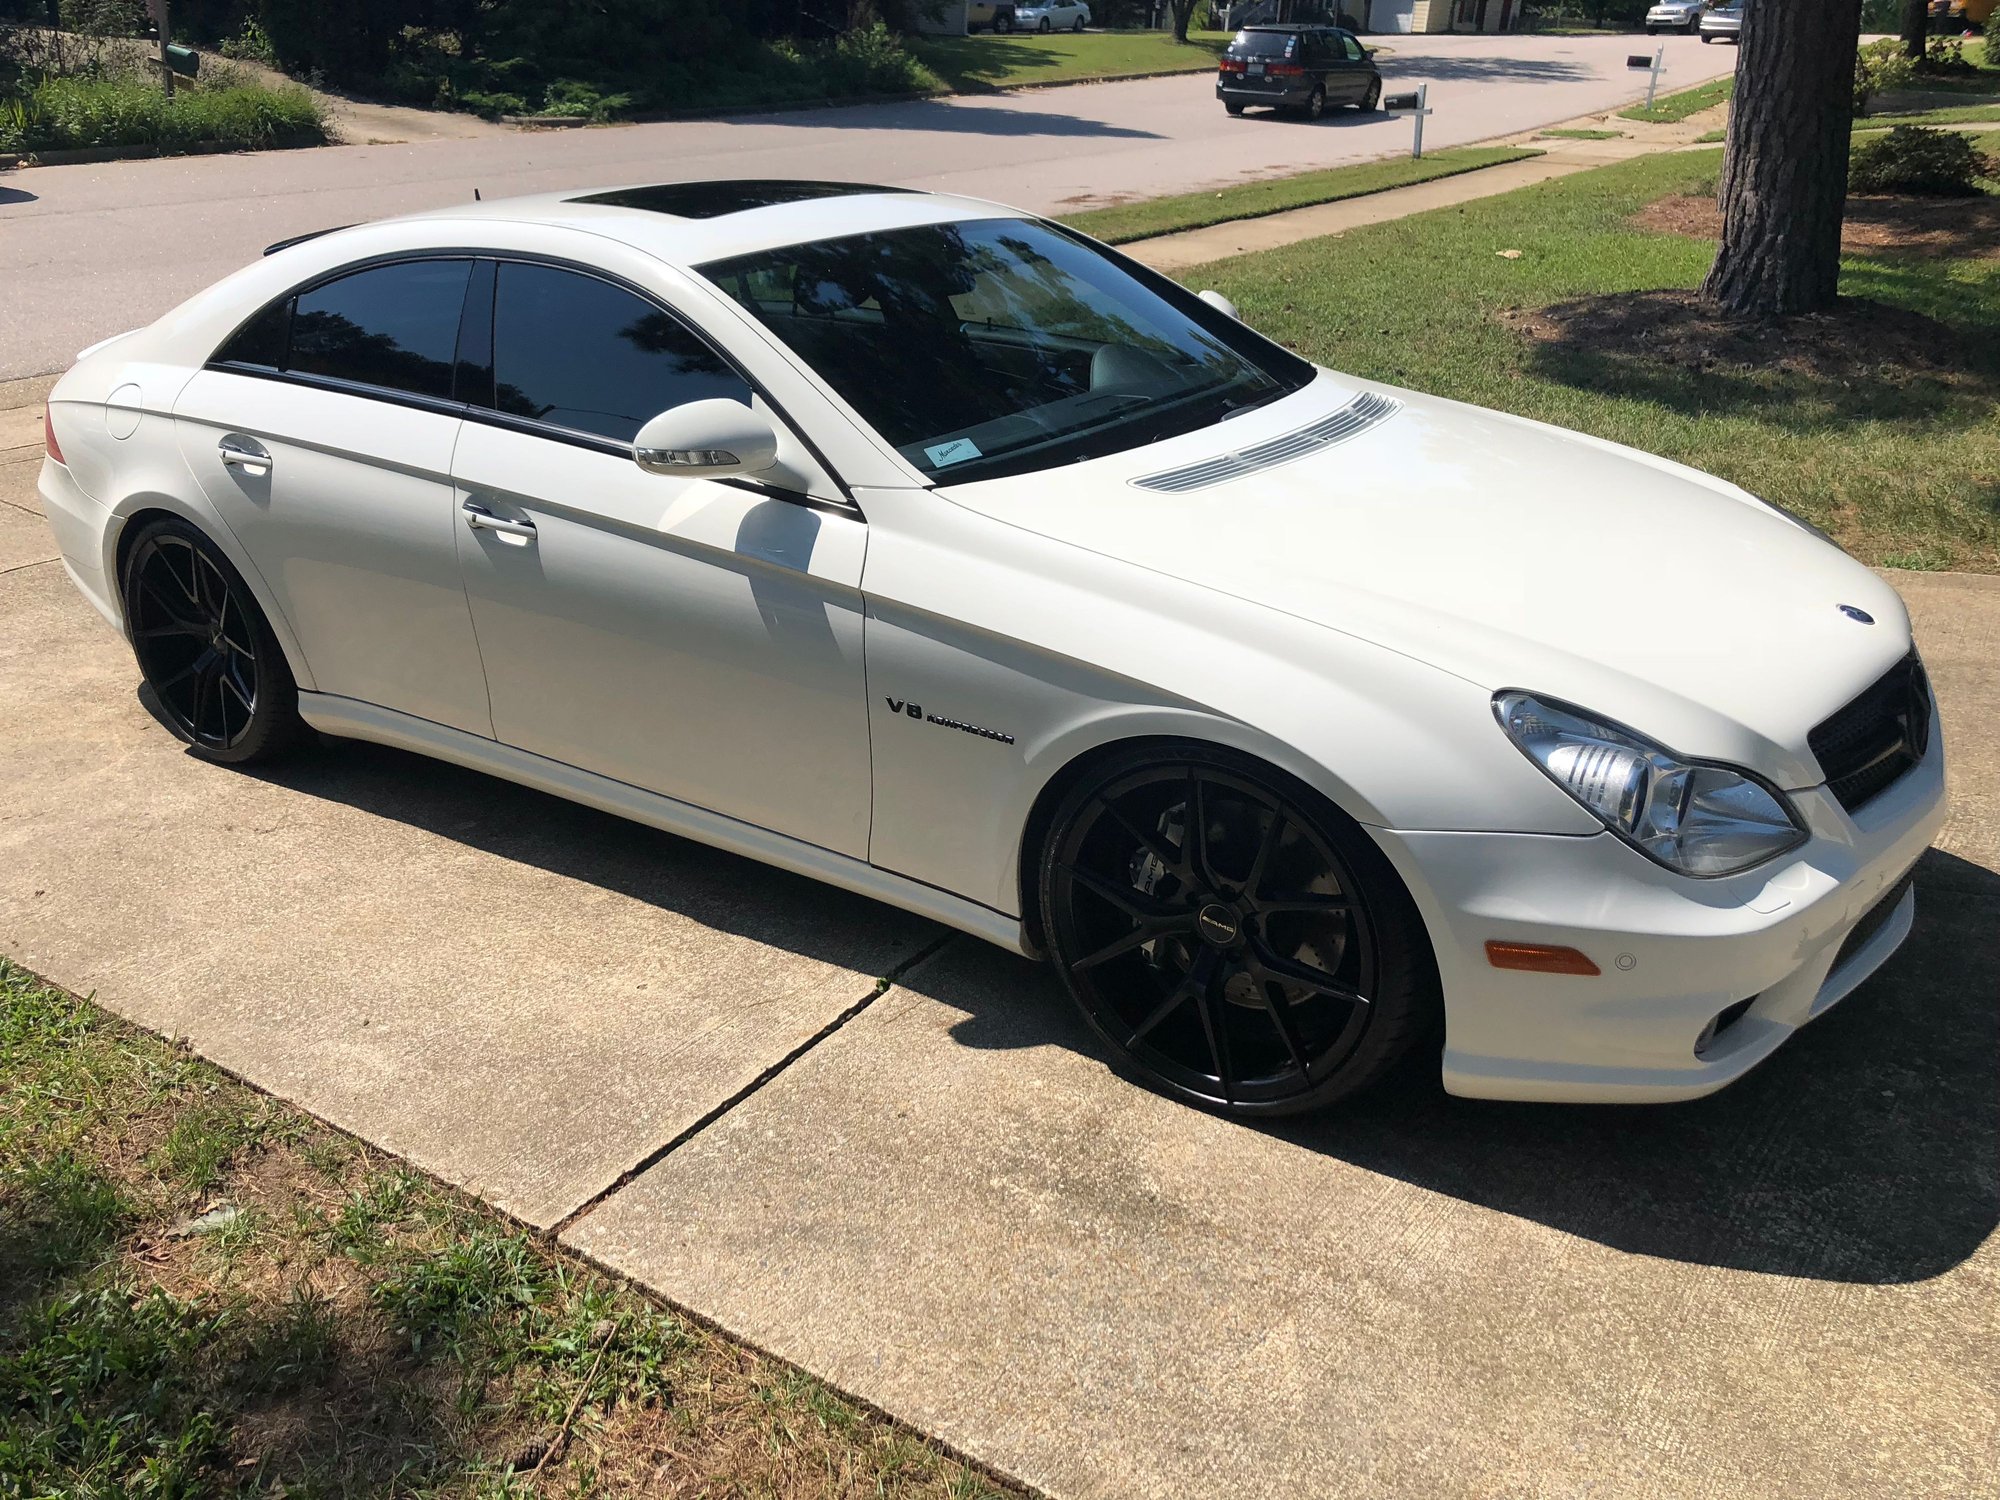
<point x="1217" y="924"/>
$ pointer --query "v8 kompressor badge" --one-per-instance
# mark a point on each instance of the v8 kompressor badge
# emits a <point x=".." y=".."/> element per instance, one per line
<point x="915" y="711"/>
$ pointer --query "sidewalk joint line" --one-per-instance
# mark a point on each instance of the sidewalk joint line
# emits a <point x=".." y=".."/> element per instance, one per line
<point x="653" y="1158"/>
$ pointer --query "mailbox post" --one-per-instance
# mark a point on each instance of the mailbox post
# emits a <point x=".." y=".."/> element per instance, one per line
<point x="1652" y="64"/>
<point x="1417" y="105"/>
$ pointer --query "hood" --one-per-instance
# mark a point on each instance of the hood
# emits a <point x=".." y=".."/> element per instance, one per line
<point x="1512" y="554"/>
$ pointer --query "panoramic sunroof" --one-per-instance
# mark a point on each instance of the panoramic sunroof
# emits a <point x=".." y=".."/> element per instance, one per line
<point x="711" y="200"/>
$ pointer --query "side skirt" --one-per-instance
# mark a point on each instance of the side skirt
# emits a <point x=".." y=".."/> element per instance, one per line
<point x="363" y="721"/>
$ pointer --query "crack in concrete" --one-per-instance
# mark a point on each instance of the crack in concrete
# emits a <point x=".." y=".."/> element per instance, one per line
<point x="631" y="1174"/>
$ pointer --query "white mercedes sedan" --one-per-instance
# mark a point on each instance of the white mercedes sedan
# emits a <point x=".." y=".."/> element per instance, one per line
<point x="943" y="554"/>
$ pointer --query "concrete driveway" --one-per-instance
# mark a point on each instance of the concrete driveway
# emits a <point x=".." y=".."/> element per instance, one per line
<point x="936" y="1195"/>
<point x="89" y="251"/>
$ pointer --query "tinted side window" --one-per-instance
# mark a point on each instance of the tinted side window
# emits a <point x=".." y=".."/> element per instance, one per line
<point x="393" y="326"/>
<point x="580" y="353"/>
<point x="262" y="340"/>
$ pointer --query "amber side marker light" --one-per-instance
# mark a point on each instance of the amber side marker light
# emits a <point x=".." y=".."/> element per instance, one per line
<point x="49" y="435"/>
<point x="1539" y="958"/>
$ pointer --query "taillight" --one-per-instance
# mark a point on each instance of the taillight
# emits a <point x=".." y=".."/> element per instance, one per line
<point x="1233" y="65"/>
<point x="49" y="434"/>
<point x="1286" y="70"/>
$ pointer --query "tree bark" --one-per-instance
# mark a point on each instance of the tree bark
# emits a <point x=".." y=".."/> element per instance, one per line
<point x="1916" y="26"/>
<point x="1784" y="171"/>
<point x="1183" y="13"/>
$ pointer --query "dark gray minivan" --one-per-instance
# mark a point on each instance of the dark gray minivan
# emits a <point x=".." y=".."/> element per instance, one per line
<point x="1302" y="69"/>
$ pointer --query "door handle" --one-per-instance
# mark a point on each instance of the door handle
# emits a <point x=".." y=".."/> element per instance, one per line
<point x="243" y="454"/>
<point x="479" y="518"/>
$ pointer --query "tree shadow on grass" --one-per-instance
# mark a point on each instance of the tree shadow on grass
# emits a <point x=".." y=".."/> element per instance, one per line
<point x="1869" y="360"/>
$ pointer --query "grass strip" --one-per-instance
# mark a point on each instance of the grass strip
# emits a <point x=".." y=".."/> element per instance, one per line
<point x="969" y="64"/>
<point x="1899" y="466"/>
<point x="71" y="113"/>
<point x="1566" y="134"/>
<point x="203" y="1291"/>
<point x="1254" y="200"/>
<point x="1675" y="107"/>
<point x="1963" y="114"/>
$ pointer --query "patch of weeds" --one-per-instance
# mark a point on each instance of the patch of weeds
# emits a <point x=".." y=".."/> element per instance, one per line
<point x="360" y="1232"/>
<point x="456" y="1293"/>
<point x="1918" y="560"/>
<point x="58" y="1213"/>
<point x="204" y="1140"/>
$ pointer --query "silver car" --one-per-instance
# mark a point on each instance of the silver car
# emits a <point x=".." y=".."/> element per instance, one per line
<point x="1674" y="15"/>
<point x="1723" y="24"/>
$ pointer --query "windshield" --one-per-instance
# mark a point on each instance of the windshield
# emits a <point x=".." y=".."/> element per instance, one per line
<point x="999" y="346"/>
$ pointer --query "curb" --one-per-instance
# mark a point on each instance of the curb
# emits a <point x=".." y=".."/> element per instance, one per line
<point x="78" y="156"/>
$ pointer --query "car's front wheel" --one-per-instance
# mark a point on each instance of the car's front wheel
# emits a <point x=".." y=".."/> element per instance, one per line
<point x="214" y="669"/>
<point x="1045" y="27"/>
<point x="1706" y="39"/>
<point x="1232" y="937"/>
<point x="1372" y="97"/>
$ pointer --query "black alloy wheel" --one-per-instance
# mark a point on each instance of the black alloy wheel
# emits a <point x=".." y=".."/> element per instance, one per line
<point x="1233" y="938"/>
<point x="215" y="671"/>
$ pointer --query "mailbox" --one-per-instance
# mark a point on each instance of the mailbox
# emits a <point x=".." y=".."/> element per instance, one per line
<point x="183" y="60"/>
<point x="1399" y="101"/>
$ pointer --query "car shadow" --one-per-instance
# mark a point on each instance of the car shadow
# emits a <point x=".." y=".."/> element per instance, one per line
<point x="1473" y="68"/>
<point x="1864" y="1151"/>
<point x="15" y="195"/>
<point x="965" y="116"/>
<point x="719" y="890"/>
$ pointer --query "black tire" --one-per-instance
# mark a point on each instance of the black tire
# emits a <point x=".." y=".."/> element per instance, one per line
<point x="1694" y="24"/>
<point x="1232" y="106"/>
<point x="1270" y="966"/>
<point x="1706" y="39"/>
<point x="1078" y="27"/>
<point x="1003" y="23"/>
<point x="1045" y="28"/>
<point x="1372" y="98"/>
<point x="1315" y="102"/>
<point x="1652" y="31"/>
<point x="214" y="669"/>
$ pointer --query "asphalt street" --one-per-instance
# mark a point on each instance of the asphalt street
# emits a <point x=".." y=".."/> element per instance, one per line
<point x="89" y="251"/>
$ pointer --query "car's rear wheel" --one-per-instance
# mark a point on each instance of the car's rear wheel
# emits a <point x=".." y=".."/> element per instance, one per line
<point x="1371" y="98"/>
<point x="1003" y="23"/>
<point x="1232" y="106"/>
<point x="1706" y="39"/>
<point x="1235" y="939"/>
<point x="205" y="649"/>
<point x="1316" y="102"/>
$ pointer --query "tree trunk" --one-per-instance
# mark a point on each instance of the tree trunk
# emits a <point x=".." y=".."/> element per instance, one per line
<point x="1916" y="26"/>
<point x="1784" y="171"/>
<point x="1183" y="12"/>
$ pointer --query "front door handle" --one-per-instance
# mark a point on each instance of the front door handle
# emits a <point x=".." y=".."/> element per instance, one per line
<point x="479" y="518"/>
<point x="244" y="454"/>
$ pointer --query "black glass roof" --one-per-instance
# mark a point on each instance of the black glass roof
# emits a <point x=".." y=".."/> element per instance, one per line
<point x="711" y="200"/>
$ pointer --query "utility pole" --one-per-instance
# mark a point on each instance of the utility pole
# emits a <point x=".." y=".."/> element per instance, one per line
<point x="161" y="23"/>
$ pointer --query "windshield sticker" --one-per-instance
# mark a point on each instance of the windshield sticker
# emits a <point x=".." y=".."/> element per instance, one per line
<point x="957" y="451"/>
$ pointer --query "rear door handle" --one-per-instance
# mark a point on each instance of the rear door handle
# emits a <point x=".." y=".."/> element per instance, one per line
<point x="245" y="454"/>
<point x="479" y="518"/>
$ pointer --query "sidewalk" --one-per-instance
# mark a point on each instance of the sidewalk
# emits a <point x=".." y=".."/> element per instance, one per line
<point x="1176" y="252"/>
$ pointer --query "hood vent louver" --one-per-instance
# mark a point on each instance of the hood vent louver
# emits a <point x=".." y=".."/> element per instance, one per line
<point x="1356" y="417"/>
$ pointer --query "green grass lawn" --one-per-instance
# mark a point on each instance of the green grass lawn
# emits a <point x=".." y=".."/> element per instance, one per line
<point x="1669" y="108"/>
<point x="1904" y="472"/>
<point x="1561" y="134"/>
<point x="1962" y="114"/>
<point x="69" y="113"/>
<point x="1253" y="200"/>
<point x="970" y="63"/>
<point x="205" y="1292"/>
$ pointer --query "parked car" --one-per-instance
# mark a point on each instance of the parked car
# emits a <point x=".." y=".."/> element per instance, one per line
<point x="941" y="553"/>
<point x="1674" y="15"/>
<point x="1723" y="24"/>
<point x="1052" y="15"/>
<point x="1297" y="68"/>
<point x="992" y="15"/>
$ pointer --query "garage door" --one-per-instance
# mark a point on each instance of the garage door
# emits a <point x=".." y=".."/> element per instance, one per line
<point x="1391" y="15"/>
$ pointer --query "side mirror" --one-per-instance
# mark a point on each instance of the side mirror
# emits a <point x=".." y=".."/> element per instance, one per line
<point x="706" y="440"/>
<point x="1221" y="304"/>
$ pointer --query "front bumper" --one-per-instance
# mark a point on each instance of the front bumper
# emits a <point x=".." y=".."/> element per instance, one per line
<point x="1675" y="952"/>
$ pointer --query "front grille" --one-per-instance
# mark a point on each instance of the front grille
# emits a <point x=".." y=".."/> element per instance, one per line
<point x="1871" y="923"/>
<point x="1863" y="749"/>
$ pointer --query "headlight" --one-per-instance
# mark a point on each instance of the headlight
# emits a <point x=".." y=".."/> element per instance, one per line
<point x="1692" y="817"/>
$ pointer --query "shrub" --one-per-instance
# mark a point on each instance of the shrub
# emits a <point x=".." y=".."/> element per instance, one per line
<point x="251" y="44"/>
<point x="1912" y="159"/>
<point x="1879" y="67"/>
<point x="1993" y="38"/>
